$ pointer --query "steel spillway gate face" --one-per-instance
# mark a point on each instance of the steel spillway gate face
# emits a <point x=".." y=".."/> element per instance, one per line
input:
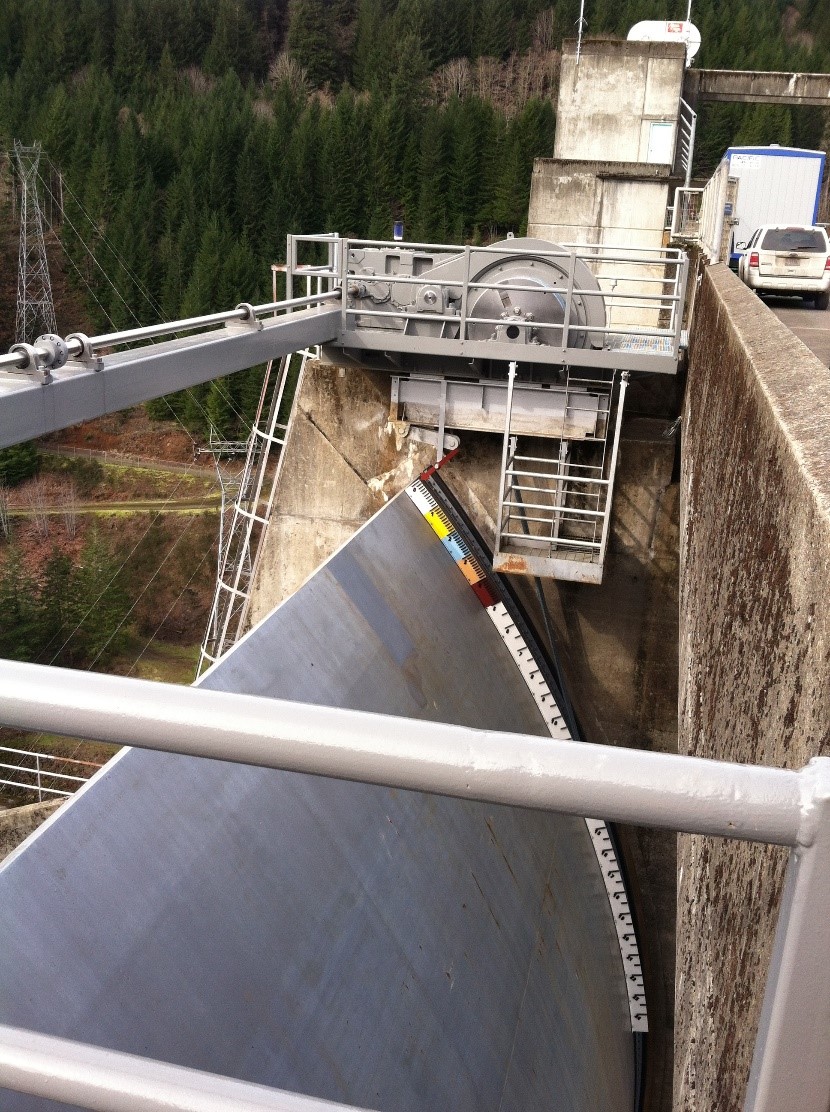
<point x="388" y="948"/>
<point x="528" y="659"/>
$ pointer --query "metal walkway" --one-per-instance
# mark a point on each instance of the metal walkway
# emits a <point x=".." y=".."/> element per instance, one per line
<point x="400" y="307"/>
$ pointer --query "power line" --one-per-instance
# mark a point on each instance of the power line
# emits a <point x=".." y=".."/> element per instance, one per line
<point x="141" y="593"/>
<point x="151" y="301"/>
<point x="142" y="289"/>
<point x="193" y="397"/>
<point x="170" y="609"/>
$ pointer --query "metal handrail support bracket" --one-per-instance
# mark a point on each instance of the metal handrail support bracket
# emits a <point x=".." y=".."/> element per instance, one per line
<point x="512" y="370"/>
<point x="791" y="1063"/>
<point x="569" y="295"/>
<point x="613" y="466"/>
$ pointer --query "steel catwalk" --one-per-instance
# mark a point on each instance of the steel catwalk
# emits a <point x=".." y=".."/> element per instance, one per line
<point x="389" y="949"/>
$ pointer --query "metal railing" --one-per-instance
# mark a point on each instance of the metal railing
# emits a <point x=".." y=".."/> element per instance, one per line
<point x="705" y="216"/>
<point x="686" y="213"/>
<point x="685" y="146"/>
<point x="636" y="292"/>
<point x="558" y="508"/>
<point x="240" y="552"/>
<point x="38" y="775"/>
<point x="690" y="794"/>
<point x="53" y="351"/>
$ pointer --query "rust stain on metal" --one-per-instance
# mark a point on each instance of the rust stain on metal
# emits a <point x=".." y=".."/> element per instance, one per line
<point x="512" y="564"/>
<point x="497" y="844"/>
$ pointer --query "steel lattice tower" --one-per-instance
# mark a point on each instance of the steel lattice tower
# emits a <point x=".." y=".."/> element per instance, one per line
<point x="35" y="307"/>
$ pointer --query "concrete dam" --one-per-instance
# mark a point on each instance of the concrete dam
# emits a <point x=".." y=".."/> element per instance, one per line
<point x="396" y="949"/>
<point x="391" y="948"/>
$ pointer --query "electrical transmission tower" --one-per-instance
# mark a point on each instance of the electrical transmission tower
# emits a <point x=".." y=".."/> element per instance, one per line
<point x="35" y="308"/>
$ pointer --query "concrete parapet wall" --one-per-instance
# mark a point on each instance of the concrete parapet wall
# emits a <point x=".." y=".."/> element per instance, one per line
<point x="754" y="650"/>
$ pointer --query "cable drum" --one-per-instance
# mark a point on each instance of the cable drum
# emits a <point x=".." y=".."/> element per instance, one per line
<point x="516" y="291"/>
<point x="532" y="292"/>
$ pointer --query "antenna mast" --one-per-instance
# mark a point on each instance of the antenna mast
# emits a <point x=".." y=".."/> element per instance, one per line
<point x="581" y="23"/>
<point x="35" y="307"/>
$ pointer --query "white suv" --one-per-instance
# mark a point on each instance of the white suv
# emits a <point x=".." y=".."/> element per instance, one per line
<point x="785" y="258"/>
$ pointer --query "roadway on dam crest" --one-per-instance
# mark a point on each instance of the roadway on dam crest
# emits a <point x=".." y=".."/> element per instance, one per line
<point x="812" y="326"/>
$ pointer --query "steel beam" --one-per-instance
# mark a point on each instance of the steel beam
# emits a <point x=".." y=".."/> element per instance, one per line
<point x="751" y="87"/>
<point x="357" y="340"/>
<point x="481" y="406"/>
<point x="31" y="407"/>
<point x="627" y="785"/>
<point x="110" y="1081"/>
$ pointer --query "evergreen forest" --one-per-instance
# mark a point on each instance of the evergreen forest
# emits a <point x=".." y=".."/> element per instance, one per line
<point x="187" y="137"/>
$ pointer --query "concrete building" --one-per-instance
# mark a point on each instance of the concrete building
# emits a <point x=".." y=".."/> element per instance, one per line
<point x="616" y="129"/>
<point x="619" y="101"/>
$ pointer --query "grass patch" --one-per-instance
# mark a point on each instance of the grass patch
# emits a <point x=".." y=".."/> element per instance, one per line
<point x="162" y="661"/>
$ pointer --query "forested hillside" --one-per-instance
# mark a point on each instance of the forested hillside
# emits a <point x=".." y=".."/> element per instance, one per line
<point x="192" y="135"/>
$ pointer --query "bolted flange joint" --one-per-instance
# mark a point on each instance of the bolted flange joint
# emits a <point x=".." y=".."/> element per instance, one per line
<point x="54" y="351"/>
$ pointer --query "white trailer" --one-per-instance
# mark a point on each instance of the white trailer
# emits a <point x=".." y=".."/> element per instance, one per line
<point x="778" y="185"/>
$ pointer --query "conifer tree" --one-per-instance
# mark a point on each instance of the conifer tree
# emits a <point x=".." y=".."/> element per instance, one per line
<point x="312" y="40"/>
<point x="19" y="636"/>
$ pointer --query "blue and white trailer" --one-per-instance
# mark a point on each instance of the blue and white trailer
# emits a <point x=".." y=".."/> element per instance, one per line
<point x="778" y="185"/>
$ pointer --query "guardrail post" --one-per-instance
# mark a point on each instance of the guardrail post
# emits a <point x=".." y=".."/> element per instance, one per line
<point x="612" y="469"/>
<point x="465" y="294"/>
<point x="37" y="767"/>
<point x="289" y="268"/>
<point x="566" y="323"/>
<point x="791" y="1062"/>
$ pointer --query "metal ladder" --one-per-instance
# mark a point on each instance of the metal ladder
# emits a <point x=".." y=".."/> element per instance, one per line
<point x="240" y="546"/>
<point x="555" y="506"/>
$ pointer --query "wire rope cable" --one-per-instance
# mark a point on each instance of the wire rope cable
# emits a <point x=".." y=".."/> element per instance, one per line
<point x="156" y="307"/>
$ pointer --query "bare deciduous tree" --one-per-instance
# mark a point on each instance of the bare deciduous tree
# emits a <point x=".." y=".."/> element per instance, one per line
<point x="544" y="31"/>
<point x="5" y="520"/>
<point x="69" y="497"/>
<point x="487" y="78"/>
<point x="452" y="80"/>
<point x="36" y="500"/>
<point x="285" y="70"/>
